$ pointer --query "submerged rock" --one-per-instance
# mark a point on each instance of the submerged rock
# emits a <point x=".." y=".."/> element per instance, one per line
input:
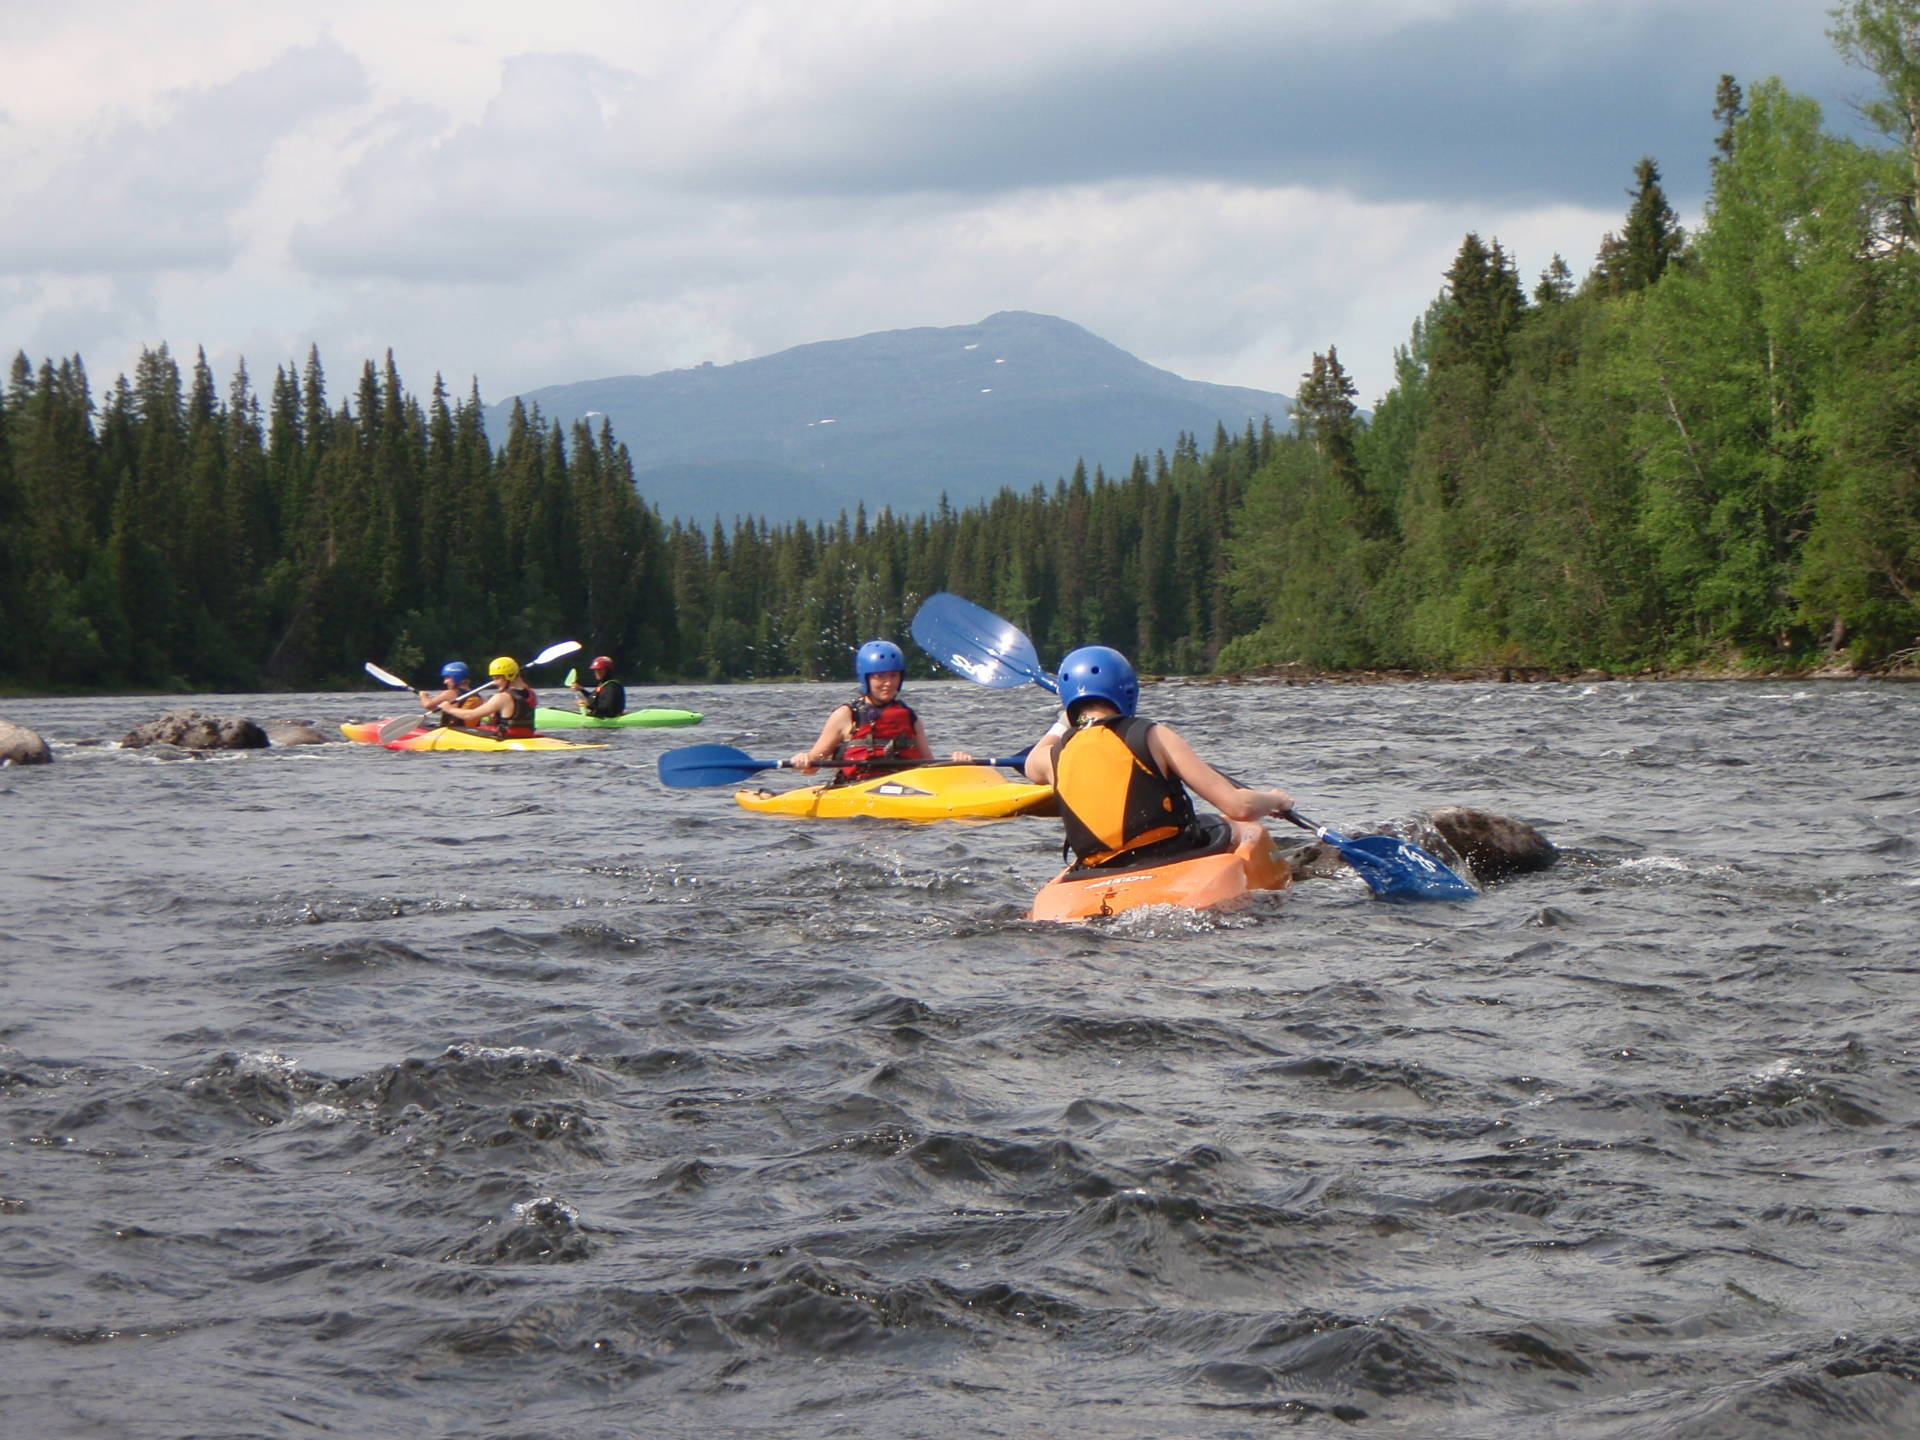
<point x="193" y="730"/>
<point x="21" y="746"/>
<point x="293" y="732"/>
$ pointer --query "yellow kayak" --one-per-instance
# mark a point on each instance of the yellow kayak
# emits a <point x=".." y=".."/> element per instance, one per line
<point x="1222" y="878"/>
<point x="437" y="737"/>
<point x="927" y="792"/>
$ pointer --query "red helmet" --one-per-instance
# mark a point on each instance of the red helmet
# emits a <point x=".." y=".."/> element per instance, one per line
<point x="601" y="662"/>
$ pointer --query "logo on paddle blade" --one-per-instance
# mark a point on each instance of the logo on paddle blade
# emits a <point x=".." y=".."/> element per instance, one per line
<point x="977" y="671"/>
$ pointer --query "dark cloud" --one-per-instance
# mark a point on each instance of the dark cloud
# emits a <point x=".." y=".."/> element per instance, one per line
<point x="1496" y="106"/>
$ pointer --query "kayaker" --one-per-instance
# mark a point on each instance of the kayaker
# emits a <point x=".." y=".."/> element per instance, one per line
<point x="506" y="710"/>
<point x="608" y="698"/>
<point x="454" y="687"/>
<point x="875" y="726"/>
<point x="1122" y="780"/>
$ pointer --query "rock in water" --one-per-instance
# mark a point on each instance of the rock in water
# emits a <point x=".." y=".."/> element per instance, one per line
<point x="1494" y="846"/>
<point x="21" y="746"/>
<point x="294" y="732"/>
<point x="192" y="730"/>
<point x="1489" y="845"/>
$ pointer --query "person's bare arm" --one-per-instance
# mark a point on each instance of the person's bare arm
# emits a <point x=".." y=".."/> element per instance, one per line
<point x="1039" y="766"/>
<point x="473" y="709"/>
<point x="1236" y="802"/>
<point x="833" y="735"/>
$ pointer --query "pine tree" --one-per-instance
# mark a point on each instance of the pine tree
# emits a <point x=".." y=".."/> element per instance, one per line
<point x="1556" y="284"/>
<point x="1653" y="238"/>
<point x="1728" y="106"/>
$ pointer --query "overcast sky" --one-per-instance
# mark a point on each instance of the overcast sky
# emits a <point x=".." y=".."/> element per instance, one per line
<point x="532" y="194"/>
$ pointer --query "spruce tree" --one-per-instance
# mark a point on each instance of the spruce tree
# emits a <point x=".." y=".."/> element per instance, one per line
<point x="1728" y="106"/>
<point x="1652" y="239"/>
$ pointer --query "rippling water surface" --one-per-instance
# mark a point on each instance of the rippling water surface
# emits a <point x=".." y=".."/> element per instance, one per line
<point x="351" y="1092"/>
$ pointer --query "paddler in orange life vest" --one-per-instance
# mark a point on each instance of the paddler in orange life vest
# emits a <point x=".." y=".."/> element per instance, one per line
<point x="1122" y="780"/>
<point x="874" y="726"/>
<point x="453" y="680"/>
<point x="506" y="710"/>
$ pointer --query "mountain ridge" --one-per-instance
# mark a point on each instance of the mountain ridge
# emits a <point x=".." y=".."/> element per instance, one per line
<point x="896" y="417"/>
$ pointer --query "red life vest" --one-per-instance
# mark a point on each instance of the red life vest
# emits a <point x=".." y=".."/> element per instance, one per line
<point x="879" y="732"/>
<point x="516" y="722"/>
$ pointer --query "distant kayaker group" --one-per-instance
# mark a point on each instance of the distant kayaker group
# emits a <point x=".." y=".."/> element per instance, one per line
<point x="506" y="706"/>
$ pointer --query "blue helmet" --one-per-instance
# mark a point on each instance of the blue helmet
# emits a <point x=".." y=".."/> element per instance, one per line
<point x="1093" y="672"/>
<point x="454" y="670"/>
<point x="879" y="657"/>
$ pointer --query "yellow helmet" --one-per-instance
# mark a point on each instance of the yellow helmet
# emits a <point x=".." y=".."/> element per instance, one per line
<point x="506" y="665"/>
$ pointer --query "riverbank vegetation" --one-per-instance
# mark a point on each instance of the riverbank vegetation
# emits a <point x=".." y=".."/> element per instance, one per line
<point x="1704" y="453"/>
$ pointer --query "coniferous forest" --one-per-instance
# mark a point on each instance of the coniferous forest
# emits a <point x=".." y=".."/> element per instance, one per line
<point x="1703" y="452"/>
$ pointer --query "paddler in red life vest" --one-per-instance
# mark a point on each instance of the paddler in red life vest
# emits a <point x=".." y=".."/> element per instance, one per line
<point x="506" y="709"/>
<point x="875" y="726"/>
<point x="1122" y="780"/>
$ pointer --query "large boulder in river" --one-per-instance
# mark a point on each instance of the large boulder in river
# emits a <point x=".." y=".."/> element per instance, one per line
<point x="192" y="730"/>
<point x="1487" y="845"/>
<point x="293" y="732"/>
<point x="1494" y="846"/>
<point x="20" y="746"/>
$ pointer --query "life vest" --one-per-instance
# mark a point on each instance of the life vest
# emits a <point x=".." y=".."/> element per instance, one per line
<point x="879" y="732"/>
<point x="449" y="719"/>
<point x="516" y="721"/>
<point x="607" y="700"/>
<point x="1114" y="798"/>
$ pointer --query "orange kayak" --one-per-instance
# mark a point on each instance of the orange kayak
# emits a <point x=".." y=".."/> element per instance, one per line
<point x="1219" y="879"/>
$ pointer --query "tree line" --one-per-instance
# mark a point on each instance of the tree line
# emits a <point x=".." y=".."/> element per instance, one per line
<point x="1706" y="450"/>
<point x="170" y="536"/>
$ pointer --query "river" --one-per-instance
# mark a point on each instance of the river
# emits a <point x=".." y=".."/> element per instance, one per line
<point x="351" y="1092"/>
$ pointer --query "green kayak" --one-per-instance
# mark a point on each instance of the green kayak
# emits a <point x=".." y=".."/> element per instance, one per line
<point x="548" y="718"/>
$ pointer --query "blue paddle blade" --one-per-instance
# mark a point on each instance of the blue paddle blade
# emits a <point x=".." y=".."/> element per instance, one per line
<point x="978" y="644"/>
<point x="692" y="766"/>
<point x="1399" y="870"/>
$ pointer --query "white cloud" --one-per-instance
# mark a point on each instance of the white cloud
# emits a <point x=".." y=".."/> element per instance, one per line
<point x="537" y="195"/>
<point x="139" y="196"/>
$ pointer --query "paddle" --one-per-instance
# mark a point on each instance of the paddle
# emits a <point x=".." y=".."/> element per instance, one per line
<point x="692" y="766"/>
<point x="978" y="644"/>
<point x="401" y="724"/>
<point x="1393" y="869"/>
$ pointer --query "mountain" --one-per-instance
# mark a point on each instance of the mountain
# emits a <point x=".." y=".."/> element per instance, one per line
<point x="896" y="418"/>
